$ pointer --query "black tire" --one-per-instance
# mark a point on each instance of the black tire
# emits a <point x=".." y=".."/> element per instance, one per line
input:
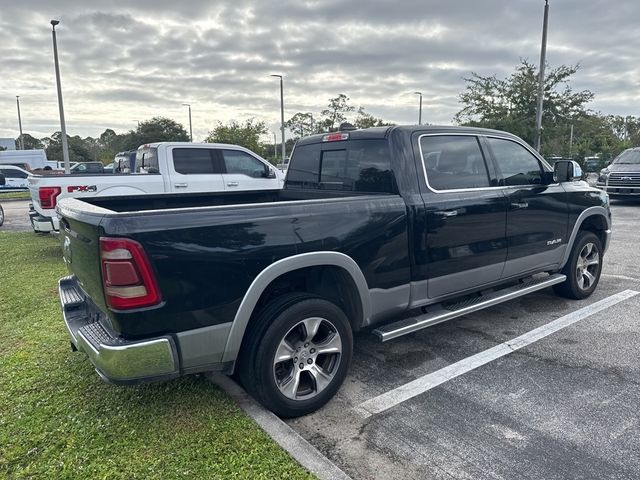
<point x="280" y="321"/>
<point x="572" y="287"/>
<point x="1" y="216"/>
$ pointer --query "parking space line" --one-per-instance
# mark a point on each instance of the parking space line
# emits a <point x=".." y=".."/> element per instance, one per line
<point x="409" y="390"/>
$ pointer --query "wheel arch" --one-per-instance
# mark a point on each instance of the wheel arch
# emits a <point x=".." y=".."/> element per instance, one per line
<point x="593" y="219"/>
<point x="330" y="261"/>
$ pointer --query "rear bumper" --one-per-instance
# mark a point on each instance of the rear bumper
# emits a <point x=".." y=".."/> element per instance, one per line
<point x="115" y="359"/>
<point x="40" y="223"/>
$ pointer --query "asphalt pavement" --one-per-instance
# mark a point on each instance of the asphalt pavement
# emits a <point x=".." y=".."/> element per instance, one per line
<point x="564" y="406"/>
<point x="16" y="216"/>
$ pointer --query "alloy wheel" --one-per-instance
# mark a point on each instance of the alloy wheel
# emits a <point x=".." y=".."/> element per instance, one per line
<point x="587" y="266"/>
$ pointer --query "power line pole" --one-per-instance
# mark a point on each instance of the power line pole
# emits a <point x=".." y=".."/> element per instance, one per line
<point x="543" y="55"/>
<point x="21" y="139"/>
<point x="65" y="146"/>
<point x="190" y="128"/>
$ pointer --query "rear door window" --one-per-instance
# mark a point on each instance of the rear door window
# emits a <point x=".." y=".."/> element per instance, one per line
<point x="454" y="162"/>
<point x="353" y="165"/>
<point x="194" y="161"/>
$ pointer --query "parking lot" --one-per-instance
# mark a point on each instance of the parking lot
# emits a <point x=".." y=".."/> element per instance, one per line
<point x="563" y="406"/>
<point x="16" y="215"/>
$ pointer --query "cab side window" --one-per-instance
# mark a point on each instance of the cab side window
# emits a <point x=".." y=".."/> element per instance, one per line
<point x="517" y="164"/>
<point x="454" y="162"/>
<point x="242" y="163"/>
<point x="194" y="161"/>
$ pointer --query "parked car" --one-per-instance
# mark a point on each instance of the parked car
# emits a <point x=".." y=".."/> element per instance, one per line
<point x="171" y="167"/>
<point x="15" y="177"/>
<point x="621" y="178"/>
<point x="391" y="228"/>
<point x="592" y="164"/>
<point x="27" y="159"/>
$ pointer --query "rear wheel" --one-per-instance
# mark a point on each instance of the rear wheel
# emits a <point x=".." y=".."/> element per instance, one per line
<point x="583" y="268"/>
<point x="1" y="216"/>
<point x="297" y="354"/>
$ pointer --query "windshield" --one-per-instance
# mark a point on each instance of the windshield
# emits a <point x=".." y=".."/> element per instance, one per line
<point x="629" y="157"/>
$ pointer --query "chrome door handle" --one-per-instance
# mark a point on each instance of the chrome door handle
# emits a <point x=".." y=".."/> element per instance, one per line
<point x="446" y="213"/>
<point x="517" y="205"/>
<point x="232" y="184"/>
<point x="181" y="185"/>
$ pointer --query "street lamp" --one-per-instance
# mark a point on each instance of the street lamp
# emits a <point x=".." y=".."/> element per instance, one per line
<point x="190" y="129"/>
<point x="281" y="114"/>
<point x="20" y="123"/>
<point x="420" y="112"/>
<point x="275" y="146"/>
<point x="65" y="146"/>
<point x="543" y="54"/>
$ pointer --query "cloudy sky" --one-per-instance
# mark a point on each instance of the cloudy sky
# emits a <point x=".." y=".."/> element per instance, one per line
<point x="127" y="61"/>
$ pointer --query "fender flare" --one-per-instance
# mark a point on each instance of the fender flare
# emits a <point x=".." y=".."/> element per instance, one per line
<point x="589" y="212"/>
<point x="275" y="270"/>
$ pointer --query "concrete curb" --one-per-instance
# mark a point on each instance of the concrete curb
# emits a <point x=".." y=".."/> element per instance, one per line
<point x="306" y="454"/>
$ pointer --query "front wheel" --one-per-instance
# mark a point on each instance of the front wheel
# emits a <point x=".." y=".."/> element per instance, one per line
<point x="297" y="354"/>
<point x="583" y="268"/>
<point x="1" y="216"/>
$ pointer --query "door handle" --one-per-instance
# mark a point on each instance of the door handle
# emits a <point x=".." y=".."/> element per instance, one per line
<point x="181" y="185"/>
<point x="517" y="205"/>
<point x="446" y="213"/>
<point x="232" y="184"/>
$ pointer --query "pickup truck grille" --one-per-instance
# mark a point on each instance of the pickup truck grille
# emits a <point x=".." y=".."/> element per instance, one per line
<point x="630" y="180"/>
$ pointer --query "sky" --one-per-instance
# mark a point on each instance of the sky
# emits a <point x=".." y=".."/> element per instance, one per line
<point x="124" y="62"/>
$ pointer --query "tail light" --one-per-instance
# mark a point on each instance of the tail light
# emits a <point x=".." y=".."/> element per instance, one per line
<point x="48" y="196"/>
<point x="127" y="276"/>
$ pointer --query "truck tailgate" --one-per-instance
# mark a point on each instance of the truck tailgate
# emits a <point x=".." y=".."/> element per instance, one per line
<point x="80" y="235"/>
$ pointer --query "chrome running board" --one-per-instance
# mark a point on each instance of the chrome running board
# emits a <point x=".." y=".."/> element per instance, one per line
<point x="446" y="311"/>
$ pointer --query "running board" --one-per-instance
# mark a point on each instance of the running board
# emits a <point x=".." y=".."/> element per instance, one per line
<point x="447" y="311"/>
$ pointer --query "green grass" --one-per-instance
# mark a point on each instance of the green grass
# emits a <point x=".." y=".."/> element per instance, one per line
<point x="59" y="420"/>
<point x="18" y="195"/>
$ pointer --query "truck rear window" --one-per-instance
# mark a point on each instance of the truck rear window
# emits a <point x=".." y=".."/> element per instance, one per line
<point x="147" y="160"/>
<point x="355" y="165"/>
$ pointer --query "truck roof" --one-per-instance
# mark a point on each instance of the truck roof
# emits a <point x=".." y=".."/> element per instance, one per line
<point x="384" y="132"/>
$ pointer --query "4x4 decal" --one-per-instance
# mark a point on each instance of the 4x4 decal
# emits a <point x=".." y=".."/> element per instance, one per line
<point x="82" y="188"/>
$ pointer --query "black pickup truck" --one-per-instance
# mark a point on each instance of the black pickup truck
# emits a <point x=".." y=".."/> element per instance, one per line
<point x="388" y="229"/>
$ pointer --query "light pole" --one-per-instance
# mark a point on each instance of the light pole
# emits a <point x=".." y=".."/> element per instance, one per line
<point x="281" y="114"/>
<point x="543" y="55"/>
<point x="275" y="146"/>
<point x="21" y="140"/>
<point x="65" y="146"/>
<point x="571" y="140"/>
<point x="190" y="129"/>
<point x="420" y="111"/>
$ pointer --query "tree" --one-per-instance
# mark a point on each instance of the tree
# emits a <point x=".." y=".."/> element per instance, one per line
<point x="301" y="124"/>
<point x="30" y="142"/>
<point x="246" y="135"/>
<point x="335" y="113"/>
<point x="158" y="129"/>
<point x="366" y="120"/>
<point x="78" y="149"/>
<point x="510" y="104"/>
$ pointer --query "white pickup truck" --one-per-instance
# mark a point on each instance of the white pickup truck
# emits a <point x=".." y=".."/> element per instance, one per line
<point x="165" y="167"/>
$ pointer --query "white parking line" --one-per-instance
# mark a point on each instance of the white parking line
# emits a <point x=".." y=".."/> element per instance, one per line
<point x="420" y="385"/>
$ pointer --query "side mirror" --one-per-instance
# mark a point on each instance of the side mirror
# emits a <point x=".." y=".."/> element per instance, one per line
<point x="567" y="171"/>
<point x="2" y="179"/>
<point x="270" y="173"/>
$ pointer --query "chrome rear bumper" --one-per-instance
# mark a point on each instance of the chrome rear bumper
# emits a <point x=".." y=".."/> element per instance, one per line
<point x="116" y="360"/>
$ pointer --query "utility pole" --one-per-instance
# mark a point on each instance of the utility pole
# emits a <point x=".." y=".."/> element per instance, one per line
<point x="65" y="146"/>
<point x="543" y="59"/>
<point x="190" y="128"/>
<point x="571" y="140"/>
<point x="21" y="140"/>
<point x="275" y="145"/>
<point x="420" y="111"/>
<point x="281" y="114"/>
